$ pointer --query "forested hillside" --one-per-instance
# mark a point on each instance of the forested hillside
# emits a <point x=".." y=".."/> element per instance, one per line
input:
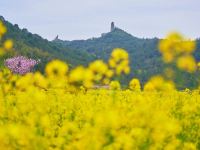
<point x="34" y="46"/>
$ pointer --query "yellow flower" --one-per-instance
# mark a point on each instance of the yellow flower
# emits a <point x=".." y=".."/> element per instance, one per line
<point x="25" y="81"/>
<point x="119" y="61"/>
<point x="189" y="46"/>
<point x="127" y="70"/>
<point x="198" y="65"/>
<point x="109" y="73"/>
<point x="175" y="46"/>
<point x="189" y="146"/>
<point x="168" y="57"/>
<point x="88" y="78"/>
<point x="98" y="66"/>
<point x="115" y="85"/>
<point x="81" y="76"/>
<point x="149" y="87"/>
<point x="119" y="53"/>
<point x="2" y="29"/>
<point x="8" y="44"/>
<point x="106" y="81"/>
<point x="135" y="85"/>
<point x="39" y="80"/>
<point x="88" y="74"/>
<point x="2" y="51"/>
<point x="56" y="68"/>
<point x="76" y="75"/>
<point x="88" y="83"/>
<point x="172" y="44"/>
<point x="187" y="63"/>
<point x="119" y="69"/>
<point x="112" y="63"/>
<point x="45" y="121"/>
<point x="158" y="83"/>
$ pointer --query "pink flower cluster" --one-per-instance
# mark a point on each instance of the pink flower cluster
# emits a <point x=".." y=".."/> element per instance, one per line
<point x="20" y="64"/>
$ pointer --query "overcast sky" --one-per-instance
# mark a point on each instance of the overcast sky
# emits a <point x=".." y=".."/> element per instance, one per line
<point x="82" y="19"/>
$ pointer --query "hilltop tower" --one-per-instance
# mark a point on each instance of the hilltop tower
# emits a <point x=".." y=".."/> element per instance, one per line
<point x="112" y="26"/>
<point x="56" y="38"/>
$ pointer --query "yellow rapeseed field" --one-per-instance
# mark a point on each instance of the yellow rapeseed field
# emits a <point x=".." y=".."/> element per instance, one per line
<point x="61" y="109"/>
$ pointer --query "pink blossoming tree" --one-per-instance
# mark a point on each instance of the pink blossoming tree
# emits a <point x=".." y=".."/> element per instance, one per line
<point x="20" y="64"/>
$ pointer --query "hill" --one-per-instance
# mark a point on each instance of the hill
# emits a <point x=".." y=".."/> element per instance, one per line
<point x="34" y="46"/>
<point x="145" y="58"/>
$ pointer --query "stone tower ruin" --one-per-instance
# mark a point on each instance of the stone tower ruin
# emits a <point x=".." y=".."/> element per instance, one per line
<point x="112" y="26"/>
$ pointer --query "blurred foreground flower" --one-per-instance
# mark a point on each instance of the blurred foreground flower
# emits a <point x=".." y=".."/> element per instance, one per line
<point x="115" y="85"/>
<point x="119" y="61"/>
<point x="134" y="85"/>
<point x="158" y="83"/>
<point x="81" y="76"/>
<point x="6" y="45"/>
<point x="175" y="45"/>
<point x="2" y="29"/>
<point x="56" y="69"/>
<point x="187" y="63"/>
<point x="177" y="49"/>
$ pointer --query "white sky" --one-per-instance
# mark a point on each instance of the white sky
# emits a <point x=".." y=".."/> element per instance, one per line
<point x="82" y="19"/>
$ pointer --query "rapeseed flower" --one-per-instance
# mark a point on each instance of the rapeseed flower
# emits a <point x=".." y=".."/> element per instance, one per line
<point x="134" y="85"/>
<point x="174" y="46"/>
<point x="8" y="44"/>
<point x="119" y="61"/>
<point x="115" y="85"/>
<point x="158" y="83"/>
<point x="56" y="68"/>
<point x="2" y="29"/>
<point x="187" y="63"/>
